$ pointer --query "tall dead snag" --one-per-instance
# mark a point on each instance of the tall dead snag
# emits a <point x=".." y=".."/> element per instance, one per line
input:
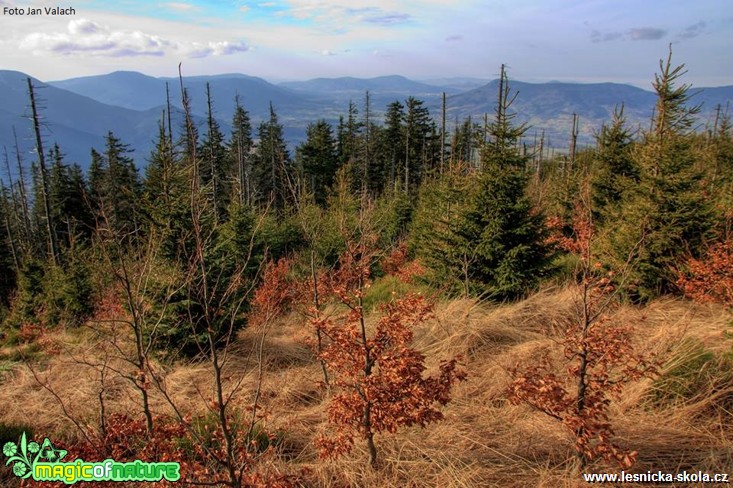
<point x="43" y="173"/>
<point x="573" y="145"/>
<point x="377" y="376"/>
<point x="601" y="358"/>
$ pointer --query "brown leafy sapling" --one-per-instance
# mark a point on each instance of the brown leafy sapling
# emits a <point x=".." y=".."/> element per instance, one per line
<point x="378" y="378"/>
<point x="710" y="278"/>
<point x="600" y="356"/>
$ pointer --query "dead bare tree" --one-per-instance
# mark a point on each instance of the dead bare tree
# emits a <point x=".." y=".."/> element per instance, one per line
<point x="132" y="265"/>
<point x="216" y="297"/>
<point x="43" y="172"/>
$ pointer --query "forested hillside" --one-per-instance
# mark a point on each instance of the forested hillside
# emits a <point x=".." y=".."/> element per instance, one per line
<point x="277" y="317"/>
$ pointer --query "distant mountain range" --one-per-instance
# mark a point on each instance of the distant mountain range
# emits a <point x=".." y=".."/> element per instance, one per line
<point x="78" y="112"/>
<point x="77" y="123"/>
<point x="549" y="107"/>
<point x="137" y="91"/>
<point x="384" y="89"/>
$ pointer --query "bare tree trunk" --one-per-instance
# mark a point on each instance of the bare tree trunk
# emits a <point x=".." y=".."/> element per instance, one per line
<point x="442" y="136"/>
<point x="52" y="245"/>
<point x="583" y="367"/>
<point x="170" y="127"/>
<point x="573" y="142"/>
<point x="212" y="158"/>
<point x="371" y="447"/>
<point x="317" y="305"/>
<point x="221" y="412"/>
<point x="241" y="170"/>
<point x="22" y="190"/>
<point x="367" y="115"/>
<point x="368" y="365"/>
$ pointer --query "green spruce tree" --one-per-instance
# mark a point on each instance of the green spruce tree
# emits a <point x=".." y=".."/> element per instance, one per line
<point x="166" y="194"/>
<point x="115" y="186"/>
<point x="614" y="170"/>
<point x="391" y="145"/>
<point x="240" y="153"/>
<point x="215" y="171"/>
<point x="318" y="160"/>
<point x="272" y="164"/>
<point x="68" y="195"/>
<point x="666" y="214"/>
<point x="483" y="222"/>
<point x="419" y="137"/>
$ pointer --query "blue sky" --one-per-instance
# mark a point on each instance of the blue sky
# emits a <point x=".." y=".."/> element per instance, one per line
<point x="540" y="40"/>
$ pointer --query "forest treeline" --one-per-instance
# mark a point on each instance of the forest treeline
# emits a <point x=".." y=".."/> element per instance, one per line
<point x="477" y="207"/>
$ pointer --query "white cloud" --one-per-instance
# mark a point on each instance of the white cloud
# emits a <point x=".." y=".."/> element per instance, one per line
<point x="180" y="6"/>
<point x="224" y="48"/>
<point x="386" y="18"/>
<point x="90" y="38"/>
<point x="330" y="13"/>
<point x="381" y="54"/>
<point x="83" y="26"/>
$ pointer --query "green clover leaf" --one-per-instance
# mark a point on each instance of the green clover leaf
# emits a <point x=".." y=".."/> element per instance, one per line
<point x="33" y="447"/>
<point x="10" y="449"/>
<point x="20" y="468"/>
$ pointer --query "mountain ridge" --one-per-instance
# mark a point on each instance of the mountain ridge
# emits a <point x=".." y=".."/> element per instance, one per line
<point x="80" y="111"/>
<point x="75" y="122"/>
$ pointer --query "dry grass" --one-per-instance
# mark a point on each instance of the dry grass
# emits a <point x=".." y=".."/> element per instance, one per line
<point x="484" y="440"/>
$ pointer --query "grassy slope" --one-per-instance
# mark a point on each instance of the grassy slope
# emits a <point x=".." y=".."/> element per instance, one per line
<point x="484" y="441"/>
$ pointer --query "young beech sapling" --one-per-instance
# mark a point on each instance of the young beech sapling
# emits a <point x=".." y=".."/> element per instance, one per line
<point x="600" y="354"/>
<point x="376" y="375"/>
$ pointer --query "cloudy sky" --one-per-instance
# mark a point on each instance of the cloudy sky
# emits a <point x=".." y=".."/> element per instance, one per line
<point x="540" y="40"/>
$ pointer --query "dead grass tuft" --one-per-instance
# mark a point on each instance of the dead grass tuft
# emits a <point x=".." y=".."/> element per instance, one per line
<point x="483" y="441"/>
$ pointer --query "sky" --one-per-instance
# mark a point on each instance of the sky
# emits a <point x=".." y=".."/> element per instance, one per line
<point x="538" y="40"/>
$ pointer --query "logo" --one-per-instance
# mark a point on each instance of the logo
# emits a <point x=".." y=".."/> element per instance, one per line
<point x="43" y="462"/>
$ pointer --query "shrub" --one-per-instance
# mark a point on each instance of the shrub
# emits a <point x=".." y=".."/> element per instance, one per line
<point x="600" y="356"/>
<point x="377" y="375"/>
